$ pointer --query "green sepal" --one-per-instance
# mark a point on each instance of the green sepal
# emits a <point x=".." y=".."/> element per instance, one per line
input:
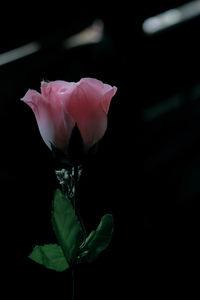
<point x="97" y="241"/>
<point x="76" y="147"/>
<point x="93" y="150"/>
<point x="75" y="151"/>
<point x="51" y="256"/>
<point x="66" y="226"/>
<point x="60" y="157"/>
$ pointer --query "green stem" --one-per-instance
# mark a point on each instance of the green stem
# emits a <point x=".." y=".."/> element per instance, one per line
<point x="75" y="186"/>
<point x="73" y="284"/>
<point x="75" y="203"/>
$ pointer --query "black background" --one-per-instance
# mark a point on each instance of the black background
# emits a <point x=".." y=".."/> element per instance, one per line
<point x="146" y="173"/>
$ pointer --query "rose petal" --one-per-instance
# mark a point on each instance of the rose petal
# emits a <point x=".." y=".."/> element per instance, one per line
<point x="102" y="90"/>
<point x="92" y="129"/>
<point x="55" y="90"/>
<point x="107" y="97"/>
<point x="52" y="126"/>
<point x="62" y="104"/>
<point x="88" y="104"/>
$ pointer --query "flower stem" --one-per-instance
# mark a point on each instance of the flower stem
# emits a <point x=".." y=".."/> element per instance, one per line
<point x="73" y="284"/>
<point x="75" y="201"/>
<point x="75" y="187"/>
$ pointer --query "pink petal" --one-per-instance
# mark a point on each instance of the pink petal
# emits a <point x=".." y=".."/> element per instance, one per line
<point x="34" y="99"/>
<point x="55" y="90"/>
<point x="96" y="86"/>
<point x="51" y="122"/>
<point x="93" y="129"/>
<point x="107" y="97"/>
<point x="104" y="91"/>
<point x="88" y="104"/>
<point x="81" y="102"/>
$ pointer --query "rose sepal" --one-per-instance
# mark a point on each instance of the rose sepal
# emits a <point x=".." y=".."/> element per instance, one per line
<point x="75" y="154"/>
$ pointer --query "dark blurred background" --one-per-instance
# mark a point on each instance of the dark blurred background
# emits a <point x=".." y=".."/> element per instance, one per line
<point x="147" y="168"/>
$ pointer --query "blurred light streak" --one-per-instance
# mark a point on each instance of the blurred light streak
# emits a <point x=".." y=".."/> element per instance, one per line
<point x="163" y="107"/>
<point x="90" y="35"/>
<point x="19" y="52"/>
<point x="170" y="104"/>
<point x="171" y="17"/>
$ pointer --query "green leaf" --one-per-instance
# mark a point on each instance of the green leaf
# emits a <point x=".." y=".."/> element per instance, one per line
<point x="98" y="240"/>
<point x="66" y="226"/>
<point x="51" y="256"/>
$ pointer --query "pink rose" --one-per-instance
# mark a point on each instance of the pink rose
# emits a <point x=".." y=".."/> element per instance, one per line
<point x="63" y="104"/>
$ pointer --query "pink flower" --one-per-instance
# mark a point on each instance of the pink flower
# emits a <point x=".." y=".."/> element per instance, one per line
<point x="63" y="104"/>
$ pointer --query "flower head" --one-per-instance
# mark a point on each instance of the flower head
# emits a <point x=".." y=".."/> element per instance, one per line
<point x="61" y="105"/>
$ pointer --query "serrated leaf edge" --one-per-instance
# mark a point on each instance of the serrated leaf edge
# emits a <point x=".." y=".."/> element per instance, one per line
<point x="44" y="256"/>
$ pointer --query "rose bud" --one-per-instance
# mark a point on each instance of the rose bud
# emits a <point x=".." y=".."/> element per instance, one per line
<point x="62" y="105"/>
